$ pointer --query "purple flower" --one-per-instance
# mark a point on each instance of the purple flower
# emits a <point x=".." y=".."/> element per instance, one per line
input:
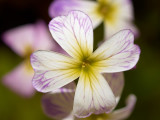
<point x="58" y="105"/>
<point x="74" y="33"/>
<point x="24" y="40"/>
<point x="116" y="14"/>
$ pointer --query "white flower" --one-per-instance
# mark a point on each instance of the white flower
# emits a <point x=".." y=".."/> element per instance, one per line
<point x="74" y="33"/>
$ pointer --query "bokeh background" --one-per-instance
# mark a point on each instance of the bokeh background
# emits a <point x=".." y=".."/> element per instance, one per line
<point x="144" y="81"/>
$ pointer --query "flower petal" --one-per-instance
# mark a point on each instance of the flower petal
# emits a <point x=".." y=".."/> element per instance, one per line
<point x="116" y="83"/>
<point x="28" y="38"/>
<point x="62" y="7"/>
<point x="52" y="70"/>
<point x="73" y="33"/>
<point x="125" y="112"/>
<point x="42" y="38"/>
<point x="93" y="95"/>
<point x="118" y="53"/>
<point x="59" y="105"/>
<point x="67" y="88"/>
<point x="125" y="11"/>
<point x="122" y="18"/>
<point x="20" y="81"/>
<point x="110" y="29"/>
<point x="20" y="38"/>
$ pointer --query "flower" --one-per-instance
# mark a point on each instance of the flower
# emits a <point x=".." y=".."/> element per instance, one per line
<point x="24" y="40"/>
<point x="58" y="105"/>
<point x="74" y="33"/>
<point x="116" y="14"/>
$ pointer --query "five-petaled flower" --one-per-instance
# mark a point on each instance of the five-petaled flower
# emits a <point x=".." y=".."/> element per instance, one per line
<point x="24" y="40"/>
<point x="74" y="33"/>
<point x="116" y="14"/>
<point x="58" y="105"/>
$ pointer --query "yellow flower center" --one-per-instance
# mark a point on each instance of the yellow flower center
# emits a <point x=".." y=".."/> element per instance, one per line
<point x="85" y="64"/>
<point x="107" y="10"/>
<point x="28" y="52"/>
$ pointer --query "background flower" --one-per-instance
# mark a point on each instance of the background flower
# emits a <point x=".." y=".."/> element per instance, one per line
<point x="58" y="105"/>
<point x="24" y="40"/>
<point x="116" y="14"/>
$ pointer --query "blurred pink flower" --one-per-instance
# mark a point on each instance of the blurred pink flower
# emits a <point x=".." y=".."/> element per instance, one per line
<point x="116" y="14"/>
<point x="59" y="105"/>
<point x="24" y="40"/>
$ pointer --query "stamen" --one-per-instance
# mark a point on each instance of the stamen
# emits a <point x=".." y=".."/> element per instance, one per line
<point x="84" y="64"/>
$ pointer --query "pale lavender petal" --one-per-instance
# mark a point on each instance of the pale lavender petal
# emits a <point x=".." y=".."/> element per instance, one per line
<point x="67" y="88"/>
<point x="125" y="112"/>
<point x="28" y="38"/>
<point x="116" y="82"/>
<point x="20" y="81"/>
<point x="117" y="54"/>
<point x="20" y="39"/>
<point x="42" y="37"/>
<point x="59" y="49"/>
<point x="63" y="7"/>
<point x="52" y="70"/>
<point x="59" y="105"/>
<point x="74" y="33"/>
